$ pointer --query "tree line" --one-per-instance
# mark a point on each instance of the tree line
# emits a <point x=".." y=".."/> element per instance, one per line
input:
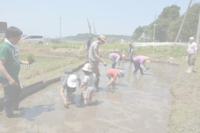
<point x="167" y="25"/>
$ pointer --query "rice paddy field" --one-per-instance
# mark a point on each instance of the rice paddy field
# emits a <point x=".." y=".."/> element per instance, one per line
<point x="53" y="59"/>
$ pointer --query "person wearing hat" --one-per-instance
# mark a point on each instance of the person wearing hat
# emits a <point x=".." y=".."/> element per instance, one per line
<point x="112" y="75"/>
<point x="89" y="83"/>
<point x="94" y="57"/>
<point x="116" y="58"/>
<point x="9" y="70"/>
<point x="130" y="51"/>
<point x="69" y="84"/>
<point x="192" y="53"/>
<point x="139" y="63"/>
<point x="88" y="45"/>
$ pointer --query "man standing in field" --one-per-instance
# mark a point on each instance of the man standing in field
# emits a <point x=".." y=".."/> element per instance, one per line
<point x="130" y="51"/>
<point x="89" y="41"/>
<point x="192" y="53"/>
<point x="94" y="57"/>
<point x="9" y="70"/>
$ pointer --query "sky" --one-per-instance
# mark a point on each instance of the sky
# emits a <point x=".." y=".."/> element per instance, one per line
<point x="118" y="17"/>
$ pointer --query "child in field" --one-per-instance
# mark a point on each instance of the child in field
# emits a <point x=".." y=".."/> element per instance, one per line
<point x="70" y="82"/>
<point x="112" y="75"/>
<point x="89" y="83"/>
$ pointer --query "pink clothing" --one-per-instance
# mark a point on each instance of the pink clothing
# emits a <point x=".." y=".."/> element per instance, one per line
<point x="139" y="59"/>
<point x="115" y="56"/>
<point x="88" y="93"/>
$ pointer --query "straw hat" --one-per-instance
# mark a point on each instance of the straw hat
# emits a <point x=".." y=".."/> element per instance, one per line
<point x="121" y="73"/>
<point x="102" y="37"/>
<point x="147" y="60"/>
<point x="72" y="81"/>
<point x="87" y="67"/>
<point x="123" y="54"/>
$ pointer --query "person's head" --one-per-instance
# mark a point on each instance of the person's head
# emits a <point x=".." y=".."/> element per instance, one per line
<point x="129" y="43"/>
<point x="68" y="71"/>
<point x="191" y="39"/>
<point x="121" y="73"/>
<point x="87" y="69"/>
<point x="13" y="34"/>
<point x="90" y="37"/>
<point x="72" y="81"/>
<point x="101" y="39"/>
<point x="146" y="59"/>
<point x="122" y="56"/>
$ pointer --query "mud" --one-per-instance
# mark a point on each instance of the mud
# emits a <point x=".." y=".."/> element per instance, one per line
<point x="138" y="104"/>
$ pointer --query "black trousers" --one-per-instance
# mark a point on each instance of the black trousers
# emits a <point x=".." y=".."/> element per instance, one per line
<point x="95" y="69"/>
<point x="137" y="67"/>
<point x="11" y="95"/>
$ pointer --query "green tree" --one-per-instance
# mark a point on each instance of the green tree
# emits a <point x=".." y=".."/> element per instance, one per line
<point x="138" y="32"/>
<point x="191" y="23"/>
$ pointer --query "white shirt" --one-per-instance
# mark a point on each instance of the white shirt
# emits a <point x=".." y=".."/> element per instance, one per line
<point x="15" y="46"/>
<point x="90" y="81"/>
<point x="192" y="47"/>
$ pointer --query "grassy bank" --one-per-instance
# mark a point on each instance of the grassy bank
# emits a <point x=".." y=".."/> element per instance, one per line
<point x="51" y="62"/>
<point x="186" y="107"/>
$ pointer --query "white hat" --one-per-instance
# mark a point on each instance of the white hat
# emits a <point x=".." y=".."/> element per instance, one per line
<point x="191" y="38"/>
<point x="87" y="67"/>
<point x="72" y="81"/>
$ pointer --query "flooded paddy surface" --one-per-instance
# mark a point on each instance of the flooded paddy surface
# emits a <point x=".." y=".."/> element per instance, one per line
<point x="138" y="104"/>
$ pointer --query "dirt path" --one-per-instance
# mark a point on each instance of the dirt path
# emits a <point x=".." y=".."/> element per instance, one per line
<point x="138" y="104"/>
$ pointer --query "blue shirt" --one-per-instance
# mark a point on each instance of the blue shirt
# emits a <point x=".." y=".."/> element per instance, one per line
<point x="131" y="48"/>
<point x="88" y="43"/>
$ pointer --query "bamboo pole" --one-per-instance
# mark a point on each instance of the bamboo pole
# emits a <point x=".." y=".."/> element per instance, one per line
<point x="198" y="31"/>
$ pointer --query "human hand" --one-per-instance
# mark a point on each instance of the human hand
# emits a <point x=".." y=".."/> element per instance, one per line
<point x="22" y="86"/>
<point x="104" y="63"/>
<point x="194" y="58"/>
<point x="31" y="62"/>
<point x="12" y="82"/>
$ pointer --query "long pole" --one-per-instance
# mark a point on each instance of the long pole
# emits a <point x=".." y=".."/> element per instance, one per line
<point x="198" y="31"/>
<point x="94" y="30"/>
<point x="89" y="26"/>
<point x="183" y="22"/>
<point x="60" y="27"/>
<point x="154" y="31"/>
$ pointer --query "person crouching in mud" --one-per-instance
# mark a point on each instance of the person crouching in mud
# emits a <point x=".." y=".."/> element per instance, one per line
<point x="89" y="83"/>
<point x="116" y="58"/>
<point x="139" y="63"/>
<point x="70" y="82"/>
<point x="112" y="75"/>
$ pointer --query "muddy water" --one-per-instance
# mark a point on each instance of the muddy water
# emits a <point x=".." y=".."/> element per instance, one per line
<point x="138" y="104"/>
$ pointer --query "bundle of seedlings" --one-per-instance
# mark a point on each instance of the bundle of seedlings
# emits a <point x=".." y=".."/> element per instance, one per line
<point x="30" y="58"/>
